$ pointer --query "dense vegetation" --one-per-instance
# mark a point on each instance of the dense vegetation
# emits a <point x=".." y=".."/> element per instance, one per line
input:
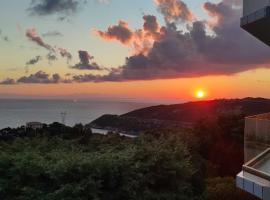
<point x="106" y="168"/>
<point x="72" y="163"/>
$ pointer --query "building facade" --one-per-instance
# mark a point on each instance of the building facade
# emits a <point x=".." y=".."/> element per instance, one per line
<point x="255" y="176"/>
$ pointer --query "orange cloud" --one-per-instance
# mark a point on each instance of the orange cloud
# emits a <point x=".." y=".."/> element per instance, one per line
<point x="120" y="32"/>
<point x="32" y="35"/>
<point x="174" y="10"/>
<point x="140" y="40"/>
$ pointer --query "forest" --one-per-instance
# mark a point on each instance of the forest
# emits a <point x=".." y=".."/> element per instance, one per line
<point x="72" y="163"/>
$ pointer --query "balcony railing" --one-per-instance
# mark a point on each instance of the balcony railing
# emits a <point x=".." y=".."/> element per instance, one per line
<point x="255" y="177"/>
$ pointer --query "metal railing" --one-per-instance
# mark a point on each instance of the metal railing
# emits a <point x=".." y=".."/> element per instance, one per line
<point x="249" y="167"/>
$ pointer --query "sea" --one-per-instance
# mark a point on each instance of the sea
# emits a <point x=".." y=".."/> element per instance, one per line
<point x="15" y="113"/>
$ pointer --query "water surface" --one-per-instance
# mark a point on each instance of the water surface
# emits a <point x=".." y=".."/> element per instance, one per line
<point x="14" y="113"/>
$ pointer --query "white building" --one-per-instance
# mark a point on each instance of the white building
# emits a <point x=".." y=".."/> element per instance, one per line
<point x="255" y="176"/>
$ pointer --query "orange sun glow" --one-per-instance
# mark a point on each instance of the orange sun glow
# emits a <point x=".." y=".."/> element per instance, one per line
<point x="200" y="94"/>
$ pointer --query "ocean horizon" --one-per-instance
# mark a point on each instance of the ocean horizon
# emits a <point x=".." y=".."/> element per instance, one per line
<point x="15" y="113"/>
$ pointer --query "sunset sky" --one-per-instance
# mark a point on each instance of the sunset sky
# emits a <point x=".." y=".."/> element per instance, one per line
<point x="141" y="50"/>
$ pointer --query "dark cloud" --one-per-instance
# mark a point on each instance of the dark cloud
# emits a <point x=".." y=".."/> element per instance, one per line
<point x="65" y="54"/>
<point x="8" y="81"/>
<point x="34" y="60"/>
<point x="51" y="57"/>
<point x="33" y="36"/>
<point x="231" y="45"/>
<point x="85" y="78"/>
<point x="62" y="8"/>
<point x="120" y="32"/>
<point x="52" y="34"/>
<point x="40" y="78"/>
<point x="85" y="62"/>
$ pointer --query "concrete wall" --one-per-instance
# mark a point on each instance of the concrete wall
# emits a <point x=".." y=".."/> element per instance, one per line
<point x="251" y="6"/>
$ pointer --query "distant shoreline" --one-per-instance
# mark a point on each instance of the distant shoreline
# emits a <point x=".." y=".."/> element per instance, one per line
<point x="106" y="131"/>
<point x="16" y="113"/>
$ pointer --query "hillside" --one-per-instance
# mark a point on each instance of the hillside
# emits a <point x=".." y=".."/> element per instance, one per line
<point x="181" y="115"/>
<point x="194" y="111"/>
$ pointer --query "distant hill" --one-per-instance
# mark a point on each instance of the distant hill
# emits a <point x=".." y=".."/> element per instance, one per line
<point x="193" y="111"/>
<point x="180" y="115"/>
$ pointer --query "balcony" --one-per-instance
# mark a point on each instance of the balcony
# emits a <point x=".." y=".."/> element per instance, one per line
<point x="256" y="19"/>
<point x="255" y="177"/>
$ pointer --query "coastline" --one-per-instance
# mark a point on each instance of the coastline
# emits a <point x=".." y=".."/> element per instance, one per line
<point x="107" y="131"/>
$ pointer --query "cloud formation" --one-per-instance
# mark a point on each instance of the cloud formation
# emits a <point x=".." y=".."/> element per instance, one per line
<point x="34" y="60"/>
<point x="140" y="40"/>
<point x="120" y="32"/>
<point x="174" y="10"/>
<point x="65" y="54"/>
<point x="40" y="78"/>
<point x="85" y="62"/>
<point x="51" y="57"/>
<point x="177" y="54"/>
<point x="8" y="81"/>
<point x="33" y="36"/>
<point x="163" y="52"/>
<point x="61" y="8"/>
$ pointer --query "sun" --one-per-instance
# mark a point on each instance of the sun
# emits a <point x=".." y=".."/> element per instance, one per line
<point x="200" y="94"/>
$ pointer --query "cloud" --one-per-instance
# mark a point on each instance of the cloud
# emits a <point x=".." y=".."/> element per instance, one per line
<point x="65" y="54"/>
<point x="231" y="45"/>
<point x="85" y="62"/>
<point x="62" y="8"/>
<point x="204" y="48"/>
<point x="51" y="57"/>
<point x="120" y="32"/>
<point x="8" y="81"/>
<point x="33" y="36"/>
<point x="40" y="78"/>
<point x="174" y="10"/>
<point x="4" y="37"/>
<point x="140" y="40"/>
<point x="34" y="60"/>
<point x="150" y="24"/>
<point x="178" y="54"/>
<point x="52" y="34"/>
